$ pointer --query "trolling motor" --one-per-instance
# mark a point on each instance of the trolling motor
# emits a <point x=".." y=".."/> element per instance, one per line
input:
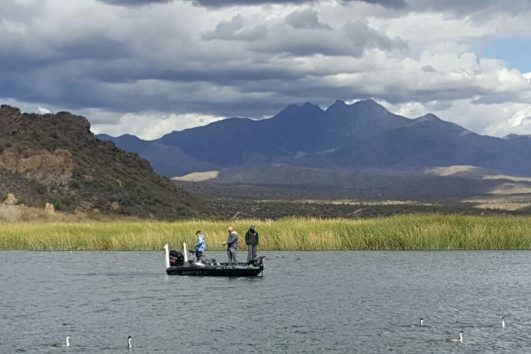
<point x="256" y="262"/>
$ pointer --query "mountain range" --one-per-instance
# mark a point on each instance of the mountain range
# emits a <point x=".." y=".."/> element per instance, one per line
<point x="362" y="135"/>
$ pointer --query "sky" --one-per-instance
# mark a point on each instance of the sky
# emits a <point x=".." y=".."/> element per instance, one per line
<point x="148" y="67"/>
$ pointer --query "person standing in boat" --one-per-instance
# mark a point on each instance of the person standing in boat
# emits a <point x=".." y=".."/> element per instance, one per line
<point x="232" y="244"/>
<point x="251" y="240"/>
<point x="200" y="247"/>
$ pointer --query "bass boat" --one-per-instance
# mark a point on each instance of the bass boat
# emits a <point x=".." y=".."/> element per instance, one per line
<point x="178" y="263"/>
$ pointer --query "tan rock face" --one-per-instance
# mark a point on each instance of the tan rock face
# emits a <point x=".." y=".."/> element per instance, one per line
<point x="49" y="168"/>
<point x="10" y="199"/>
<point x="49" y="208"/>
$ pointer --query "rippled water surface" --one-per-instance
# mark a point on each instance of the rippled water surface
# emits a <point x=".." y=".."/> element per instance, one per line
<point x="306" y="302"/>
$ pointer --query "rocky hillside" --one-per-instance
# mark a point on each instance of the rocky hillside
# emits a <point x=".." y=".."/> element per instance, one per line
<point x="55" y="158"/>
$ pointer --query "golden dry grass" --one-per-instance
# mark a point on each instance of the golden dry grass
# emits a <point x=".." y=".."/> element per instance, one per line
<point x="411" y="232"/>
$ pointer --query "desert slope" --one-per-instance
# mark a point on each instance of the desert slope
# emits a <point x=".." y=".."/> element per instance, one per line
<point x="55" y="158"/>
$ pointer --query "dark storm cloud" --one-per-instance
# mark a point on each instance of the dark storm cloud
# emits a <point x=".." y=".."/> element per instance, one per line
<point x="468" y="6"/>
<point x="223" y="62"/>
<point x="306" y="19"/>
<point x="223" y="3"/>
<point x="134" y="2"/>
<point x="489" y="98"/>
<point x="301" y="33"/>
<point x="362" y="36"/>
<point x="235" y="29"/>
<point x="455" y="7"/>
<point x="95" y="47"/>
<point x="353" y="40"/>
<point x="131" y="71"/>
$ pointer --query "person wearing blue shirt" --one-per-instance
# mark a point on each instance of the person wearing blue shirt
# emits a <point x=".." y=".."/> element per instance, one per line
<point x="200" y="247"/>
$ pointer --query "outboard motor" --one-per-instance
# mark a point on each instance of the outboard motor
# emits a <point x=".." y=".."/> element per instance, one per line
<point x="176" y="258"/>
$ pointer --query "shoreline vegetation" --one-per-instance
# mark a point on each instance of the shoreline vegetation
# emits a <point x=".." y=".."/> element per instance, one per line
<point x="430" y="232"/>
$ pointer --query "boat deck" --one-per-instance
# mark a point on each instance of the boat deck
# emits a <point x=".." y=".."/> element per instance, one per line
<point x="221" y="270"/>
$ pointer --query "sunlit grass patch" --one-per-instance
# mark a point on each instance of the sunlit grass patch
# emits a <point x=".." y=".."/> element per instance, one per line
<point x="408" y="232"/>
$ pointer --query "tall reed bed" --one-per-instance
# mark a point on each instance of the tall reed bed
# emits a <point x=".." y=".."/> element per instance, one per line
<point x="410" y="232"/>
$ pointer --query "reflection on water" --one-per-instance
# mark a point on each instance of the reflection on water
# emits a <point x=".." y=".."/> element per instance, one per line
<point x="307" y="302"/>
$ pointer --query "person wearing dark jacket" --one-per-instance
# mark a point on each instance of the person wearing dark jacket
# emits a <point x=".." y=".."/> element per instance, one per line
<point x="232" y="245"/>
<point x="251" y="240"/>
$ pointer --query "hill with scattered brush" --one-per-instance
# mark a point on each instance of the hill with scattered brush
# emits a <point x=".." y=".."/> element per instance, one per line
<point x="55" y="158"/>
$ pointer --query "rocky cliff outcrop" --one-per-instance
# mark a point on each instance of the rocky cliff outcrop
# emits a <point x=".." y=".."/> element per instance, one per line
<point x="50" y="168"/>
<point x="10" y="119"/>
<point x="55" y="158"/>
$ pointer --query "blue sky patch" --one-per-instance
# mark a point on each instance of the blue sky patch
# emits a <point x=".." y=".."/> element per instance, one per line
<point x="516" y="52"/>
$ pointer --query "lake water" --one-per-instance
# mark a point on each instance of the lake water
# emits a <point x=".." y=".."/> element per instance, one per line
<point x="306" y="302"/>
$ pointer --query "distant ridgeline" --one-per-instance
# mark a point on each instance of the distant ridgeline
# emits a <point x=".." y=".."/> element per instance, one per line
<point x="360" y="135"/>
<point x="358" y="150"/>
<point x="55" y="158"/>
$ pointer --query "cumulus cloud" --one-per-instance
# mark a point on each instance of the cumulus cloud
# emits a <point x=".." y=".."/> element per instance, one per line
<point x="520" y="122"/>
<point x="150" y="126"/>
<point x="178" y="61"/>
<point x="43" y="110"/>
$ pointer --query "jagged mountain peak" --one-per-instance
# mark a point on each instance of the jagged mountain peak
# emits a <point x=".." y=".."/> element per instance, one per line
<point x="126" y="136"/>
<point x="364" y="105"/>
<point x="337" y="107"/>
<point x="367" y="109"/>
<point x="362" y="134"/>
<point x="294" y="112"/>
<point x="429" y="117"/>
<point x="368" y="104"/>
<point x="431" y="120"/>
<point x="309" y="105"/>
